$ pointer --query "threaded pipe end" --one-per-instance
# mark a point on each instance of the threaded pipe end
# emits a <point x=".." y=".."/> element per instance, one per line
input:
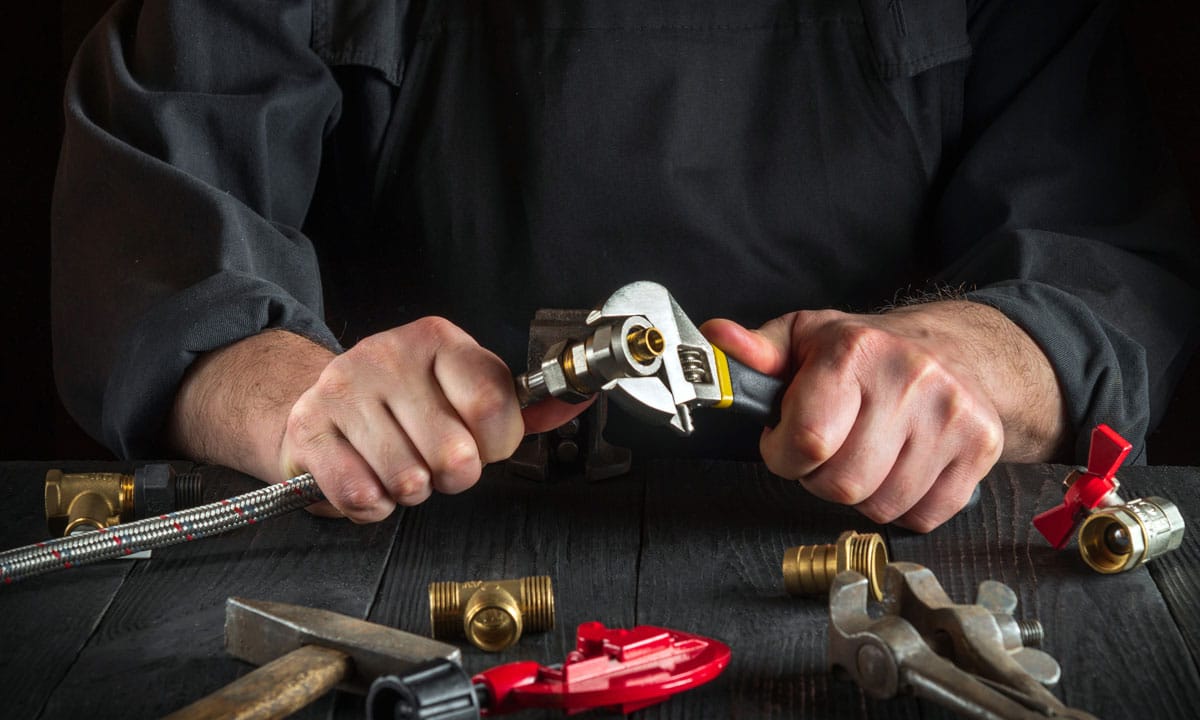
<point x="537" y="593"/>
<point x="865" y="554"/>
<point x="445" y="613"/>
<point x="189" y="490"/>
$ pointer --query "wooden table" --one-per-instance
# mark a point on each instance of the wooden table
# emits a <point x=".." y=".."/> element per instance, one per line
<point x="692" y="545"/>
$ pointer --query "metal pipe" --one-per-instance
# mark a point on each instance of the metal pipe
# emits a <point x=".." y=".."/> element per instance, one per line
<point x="169" y="529"/>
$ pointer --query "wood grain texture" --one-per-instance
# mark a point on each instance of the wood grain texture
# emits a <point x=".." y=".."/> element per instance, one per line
<point x="585" y="536"/>
<point x="45" y="621"/>
<point x="159" y="645"/>
<point x="711" y="564"/>
<point x="1103" y="630"/>
<point x="694" y="545"/>
<point x="1177" y="573"/>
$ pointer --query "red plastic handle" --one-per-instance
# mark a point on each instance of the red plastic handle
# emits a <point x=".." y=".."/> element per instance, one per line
<point x="624" y="670"/>
<point x="1105" y="455"/>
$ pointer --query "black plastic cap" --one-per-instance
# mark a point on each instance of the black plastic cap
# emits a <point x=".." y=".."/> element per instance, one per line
<point x="436" y="690"/>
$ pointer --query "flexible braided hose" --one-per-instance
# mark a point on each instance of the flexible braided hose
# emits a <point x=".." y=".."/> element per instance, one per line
<point x="170" y="529"/>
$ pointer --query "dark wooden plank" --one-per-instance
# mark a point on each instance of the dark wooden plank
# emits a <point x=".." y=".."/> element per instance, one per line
<point x="1177" y="573"/>
<point x="48" y="619"/>
<point x="160" y="645"/>
<point x="711" y="564"/>
<point x="1113" y="635"/>
<point x="584" y="535"/>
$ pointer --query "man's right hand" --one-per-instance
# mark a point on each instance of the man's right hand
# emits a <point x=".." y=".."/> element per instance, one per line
<point x="410" y="410"/>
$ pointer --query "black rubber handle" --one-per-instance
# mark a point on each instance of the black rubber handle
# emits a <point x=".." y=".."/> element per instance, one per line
<point x="755" y="394"/>
<point x="435" y="690"/>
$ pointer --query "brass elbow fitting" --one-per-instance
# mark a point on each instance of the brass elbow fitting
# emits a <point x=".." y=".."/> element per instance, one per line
<point x="1122" y="537"/>
<point x="491" y="614"/>
<point x="810" y="569"/>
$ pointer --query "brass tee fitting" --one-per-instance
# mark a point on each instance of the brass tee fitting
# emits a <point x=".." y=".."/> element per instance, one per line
<point x="491" y="614"/>
<point x="1121" y="537"/>
<point x="810" y="569"/>
<point x="79" y="502"/>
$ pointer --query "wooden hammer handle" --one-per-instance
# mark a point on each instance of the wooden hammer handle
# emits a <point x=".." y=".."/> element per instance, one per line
<point x="275" y="690"/>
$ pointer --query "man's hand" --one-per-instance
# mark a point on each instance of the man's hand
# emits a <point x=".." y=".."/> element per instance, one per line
<point x="414" y="409"/>
<point x="901" y="414"/>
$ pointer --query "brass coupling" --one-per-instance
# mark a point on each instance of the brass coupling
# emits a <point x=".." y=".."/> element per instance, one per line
<point x="1122" y="537"/>
<point x="491" y="614"/>
<point x="810" y="569"/>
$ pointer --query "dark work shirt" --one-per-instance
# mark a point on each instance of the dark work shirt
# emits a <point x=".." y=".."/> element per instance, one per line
<point x="338" y="168"/>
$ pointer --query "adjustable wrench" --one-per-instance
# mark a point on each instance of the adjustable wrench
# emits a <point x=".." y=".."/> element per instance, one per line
<point x="649" y="357"/>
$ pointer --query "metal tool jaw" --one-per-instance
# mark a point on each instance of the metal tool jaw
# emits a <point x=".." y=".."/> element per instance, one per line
<point x="673" y="371"/>
<point x="686" y="377"/>
<point x="969" y="658"/>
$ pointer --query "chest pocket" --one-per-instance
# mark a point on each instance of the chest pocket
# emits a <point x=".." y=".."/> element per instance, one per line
<point x="540" y="154"/>
<point x="920" y="48"/>
<point x="364" y="33"/>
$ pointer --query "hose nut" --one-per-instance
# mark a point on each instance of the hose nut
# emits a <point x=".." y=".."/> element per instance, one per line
<point x="1122" y="537"/>
<point x="491" y="614"/>
<point x="810" y="569"/>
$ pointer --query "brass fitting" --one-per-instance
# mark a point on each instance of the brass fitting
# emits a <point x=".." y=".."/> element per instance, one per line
<point x="810" y="569"/>
<point x="80" y="502"/>
<point x="491" y="613"/>
<point x="1121" y="537"/>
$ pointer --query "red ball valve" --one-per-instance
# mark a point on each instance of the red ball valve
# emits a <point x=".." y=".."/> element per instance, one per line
<point x="1088" y="488"/>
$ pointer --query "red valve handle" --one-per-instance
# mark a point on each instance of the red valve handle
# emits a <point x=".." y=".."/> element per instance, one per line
<point x="1105" y="455"/>
<point x="624" y="670"/>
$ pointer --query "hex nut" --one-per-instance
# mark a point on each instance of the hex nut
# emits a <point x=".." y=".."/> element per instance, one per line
<point x="154" y="490"/>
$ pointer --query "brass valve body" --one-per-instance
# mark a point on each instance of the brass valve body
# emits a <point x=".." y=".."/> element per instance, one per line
<point x="77" y="502"/>
<point x="810" y="569"/>
<point x="1122" y="537"/>
<point x="491" y="614"/>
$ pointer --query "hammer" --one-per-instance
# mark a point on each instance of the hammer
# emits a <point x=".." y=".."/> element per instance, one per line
<point x="305" y="652"/>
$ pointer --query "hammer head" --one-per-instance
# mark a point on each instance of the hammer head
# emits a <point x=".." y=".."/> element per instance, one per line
<point x="259" y="631"/>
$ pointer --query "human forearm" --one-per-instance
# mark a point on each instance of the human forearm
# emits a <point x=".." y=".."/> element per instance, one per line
<point x="233" y="404"/>
<point x="1010" y="367"/>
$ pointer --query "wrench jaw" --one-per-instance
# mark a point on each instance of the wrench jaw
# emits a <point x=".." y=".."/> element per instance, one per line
<point x="687" y="377"/>
<point x="969" y="658"/>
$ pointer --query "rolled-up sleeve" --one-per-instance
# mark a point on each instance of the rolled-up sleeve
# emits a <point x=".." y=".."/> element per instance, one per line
<point x="1064" y="213"/>
<point x="193" y="137"/>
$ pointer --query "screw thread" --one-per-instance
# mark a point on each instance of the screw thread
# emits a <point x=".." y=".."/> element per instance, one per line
<point x="189" y="490"/>
<point x="810" y="569"/>
<point x="537" y="594"/>
<point x="1032" y="632"/>
<point x="444" y="609"/>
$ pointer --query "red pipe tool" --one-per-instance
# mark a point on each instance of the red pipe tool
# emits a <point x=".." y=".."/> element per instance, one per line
<point x="1087" y="488"/>
<point x="621" y="670"/>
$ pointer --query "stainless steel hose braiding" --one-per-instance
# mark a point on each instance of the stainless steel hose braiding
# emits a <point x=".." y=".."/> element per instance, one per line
<point x="170" y="529"/>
